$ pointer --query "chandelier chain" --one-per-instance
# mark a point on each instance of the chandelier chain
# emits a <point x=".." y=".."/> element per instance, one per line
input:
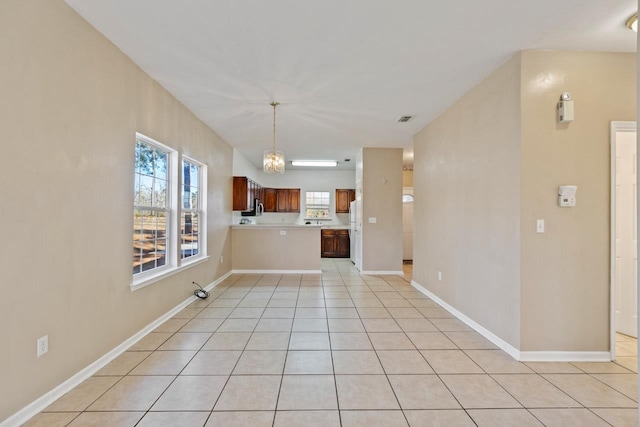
<point x="274" y="104"/>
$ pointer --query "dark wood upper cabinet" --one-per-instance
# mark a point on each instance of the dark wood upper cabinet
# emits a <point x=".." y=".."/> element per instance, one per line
<point x="282" y="200"/>
<point x="344" y="196"/>
<point x="245" y="193"/>
<point x="270" y="200"/>
<point x="294" y="200"/>
<point x="288" y="200"/>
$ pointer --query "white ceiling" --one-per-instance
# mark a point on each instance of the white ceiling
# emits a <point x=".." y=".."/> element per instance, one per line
<point x="343" y="70"/>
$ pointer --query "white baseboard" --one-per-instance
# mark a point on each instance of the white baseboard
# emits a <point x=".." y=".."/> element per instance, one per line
<point x="383" y="272"/>
<point x="565" y="356"/>
<point x="51" y="396"/>
<point x="502" y="344"/>
<point x="276" y="271"/>
<point x="522" y="356"/>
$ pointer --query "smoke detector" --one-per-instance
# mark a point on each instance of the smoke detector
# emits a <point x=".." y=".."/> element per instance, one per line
<point x="405" y="119"/>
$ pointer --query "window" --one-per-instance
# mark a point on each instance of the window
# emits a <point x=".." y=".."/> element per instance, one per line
<point x="158" y="238"/>
<point x="151" y="206"/>
<point x="317" y="203"/>
<point x="191" y="216"/>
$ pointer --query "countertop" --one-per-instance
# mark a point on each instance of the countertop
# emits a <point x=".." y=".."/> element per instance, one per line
<point x="263" y="226"/>
<point x="281" y="226"/>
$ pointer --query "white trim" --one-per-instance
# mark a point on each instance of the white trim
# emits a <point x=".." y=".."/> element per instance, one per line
<point x="522" y="356"/>
<point x="383" y="272"/>
<point x="615" y="127"/>
<point x="201" y="210"/>
<point x="511" y="350"/>
<point x="35" y="407"/>
<point x="166" y="273"/>
<point x="565" y="356"/>
<point x="276" y="271"/>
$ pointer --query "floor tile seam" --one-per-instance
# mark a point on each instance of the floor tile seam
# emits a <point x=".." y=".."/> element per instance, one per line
<point x="333" y="365"/>
<point x="176" y="377"/>
<point x="388" y="380"/>
<point x="610" y="386"/>
<point x="535" y="373"/>
<point x="465" y="350"/>
<point x="594" y="413"/>
<point x="575" y="399"/>
<point x="91" y="403"/>
<point x="130" y="370"/>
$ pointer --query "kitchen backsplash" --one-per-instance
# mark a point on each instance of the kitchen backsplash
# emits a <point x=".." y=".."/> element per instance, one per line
<point x="289" y="218"/>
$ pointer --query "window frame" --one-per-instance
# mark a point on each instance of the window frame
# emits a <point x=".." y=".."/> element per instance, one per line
<point x="173" y="262"/>
<point x="328" y="205"/>
<point x="201" y="210"/>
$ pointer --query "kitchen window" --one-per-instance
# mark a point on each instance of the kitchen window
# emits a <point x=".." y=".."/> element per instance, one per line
<point x="317" y="204"/>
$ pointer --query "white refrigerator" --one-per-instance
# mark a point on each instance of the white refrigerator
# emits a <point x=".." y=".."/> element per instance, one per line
<point x="352" y="231"/>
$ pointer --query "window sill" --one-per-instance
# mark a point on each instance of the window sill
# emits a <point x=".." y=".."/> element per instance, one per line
<point x="136" y="285"/>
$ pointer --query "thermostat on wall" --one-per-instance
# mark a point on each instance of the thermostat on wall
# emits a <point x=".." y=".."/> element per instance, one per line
<point x="567" y="196"/>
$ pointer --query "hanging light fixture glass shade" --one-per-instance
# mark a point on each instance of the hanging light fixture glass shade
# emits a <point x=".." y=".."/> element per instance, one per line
<point x="273" y="160"/>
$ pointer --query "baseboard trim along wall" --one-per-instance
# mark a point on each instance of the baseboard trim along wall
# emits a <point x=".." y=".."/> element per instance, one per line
<point x="522" y="356"/>
<point x="565" y="356"/>
<point x="51" y="396"/>
<point x="384" y="272"/>
<point x="276" y="271"/>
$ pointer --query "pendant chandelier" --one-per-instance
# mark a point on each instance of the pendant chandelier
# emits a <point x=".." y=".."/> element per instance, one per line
<point x="273" y="160"/>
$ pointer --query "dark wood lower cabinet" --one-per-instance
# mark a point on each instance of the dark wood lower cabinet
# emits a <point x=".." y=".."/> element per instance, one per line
<point x="335" y="243"/>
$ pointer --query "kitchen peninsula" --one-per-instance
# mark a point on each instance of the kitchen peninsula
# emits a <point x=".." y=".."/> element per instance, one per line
<point x="276" y="248"/>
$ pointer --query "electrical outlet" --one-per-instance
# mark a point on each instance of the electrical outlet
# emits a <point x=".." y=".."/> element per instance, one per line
<point x="221" y="259"/>
<point x="42" y="345"/>
<point x="540" y="226"/>
<point x="440" y="276"/>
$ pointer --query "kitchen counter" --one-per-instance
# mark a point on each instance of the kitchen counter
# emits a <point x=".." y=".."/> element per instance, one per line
<point x="276" y="248"/>
<point x="279" y="226"/>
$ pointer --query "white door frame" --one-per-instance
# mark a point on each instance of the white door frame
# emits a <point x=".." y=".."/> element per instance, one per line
<point x="616" y="126"/>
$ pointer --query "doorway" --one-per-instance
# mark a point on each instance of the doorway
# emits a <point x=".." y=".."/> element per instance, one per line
<point x="624" y="253"/>
<point x="407" y="224"/>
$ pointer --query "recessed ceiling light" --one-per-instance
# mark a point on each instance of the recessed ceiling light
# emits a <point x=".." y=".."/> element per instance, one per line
<point x="315" y="163"/>
<point x="632" y="23"/>
<point x="405" y="119"/>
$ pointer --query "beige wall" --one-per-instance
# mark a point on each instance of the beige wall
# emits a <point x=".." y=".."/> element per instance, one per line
<point x="407" y="178"/>
<point x="565" y="271"/>
<point x="71" y="104"/>
<point x="466" y="208"/>
<point x="490" y="166"/>
<point x="382" y="199"/>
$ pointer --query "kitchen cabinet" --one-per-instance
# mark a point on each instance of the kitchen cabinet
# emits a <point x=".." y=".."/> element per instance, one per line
<point x="343" y="244"/>
<point x="245" y="193"/>
<point x="344" y="196"/>
<point x="288" y="200"/>
<point x="270" y="199"/>
<point x="335" y="243"/>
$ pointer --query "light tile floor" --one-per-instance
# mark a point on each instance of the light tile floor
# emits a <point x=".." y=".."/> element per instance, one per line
<point x="337" y="349"/>
<point x="627" y="352"/>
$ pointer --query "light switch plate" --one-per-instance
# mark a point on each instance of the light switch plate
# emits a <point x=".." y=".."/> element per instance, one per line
<point x="540" y="226"/>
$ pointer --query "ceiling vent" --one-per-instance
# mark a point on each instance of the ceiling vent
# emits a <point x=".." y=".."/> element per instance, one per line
<point x="405" y="119"/>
